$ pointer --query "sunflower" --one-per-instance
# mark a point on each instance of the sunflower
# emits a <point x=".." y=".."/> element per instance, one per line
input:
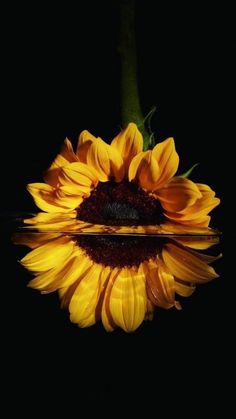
<point x="104" y="206"/>
<point x="118" y="280"/>
<point x="119" y="184"/>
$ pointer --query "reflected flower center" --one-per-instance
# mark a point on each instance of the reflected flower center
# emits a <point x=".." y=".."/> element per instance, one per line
<point x="118" y="251"/>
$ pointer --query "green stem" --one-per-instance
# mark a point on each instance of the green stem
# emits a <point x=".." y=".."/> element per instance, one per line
<point x="130" y="103"/>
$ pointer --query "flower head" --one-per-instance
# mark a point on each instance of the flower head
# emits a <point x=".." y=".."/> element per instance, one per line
<point x="102" y="183"/>
<point x="103" y="203"/>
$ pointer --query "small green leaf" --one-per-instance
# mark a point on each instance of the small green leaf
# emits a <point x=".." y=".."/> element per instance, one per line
<point x="151" y="141"/>
<point x="148" y="117"/>
<point x="188" y="173"/>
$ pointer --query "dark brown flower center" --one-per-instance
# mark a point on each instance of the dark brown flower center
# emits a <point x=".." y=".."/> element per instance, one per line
<point x="120" y="204"/>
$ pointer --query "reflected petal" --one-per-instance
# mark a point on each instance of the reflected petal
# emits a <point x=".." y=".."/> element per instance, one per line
<point x="119" y="296"/>
<point x="187" y="266"/>
<point x="128" y="300"/>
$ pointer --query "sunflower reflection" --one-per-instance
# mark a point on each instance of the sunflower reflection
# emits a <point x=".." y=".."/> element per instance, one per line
<point x="116" y="278"/>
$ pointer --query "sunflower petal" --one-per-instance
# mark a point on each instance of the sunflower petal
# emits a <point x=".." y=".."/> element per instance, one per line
<point x="51" y="175"/>
<point x="45" y="198"/>
<point x="54" y="222"/>
<point x="84" y="143"/>
<point x="66" y="196"/>
<point x="199" y="243"/>
<point x="167" y="159"/>
<point x="67" y="151"/>
<point x="128" y="300"/>
<point x="104" y="280"/>
<point x="106" y="317"/>
<point x="85" y="298"/>
<point x="174" y="228"/>
<point x="84" y="137"/>
<point x="145" y="170"/>
<point x="186" y="266"/>
<point x="178" y="194"/>
<point x="160" y="285"/>
<point x="34" y="240"/>
<point x="80" y="176"/>
<point x="128" y="143"/>
<point x="106" y="161"/>
<point x="197" y="212"/>
<point x="64" y="275"/>
<point x="153" y="169"/>
<point x="49" y="255"/>
<point x="184" y="290"/>
<point x="66" y="156"/>
<point x="150" y="310"/>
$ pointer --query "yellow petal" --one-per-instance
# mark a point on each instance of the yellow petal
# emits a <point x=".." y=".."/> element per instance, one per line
<point x="107" y="161"/>
<point x="85" y="298"/>
<point x="128" y="143"/>
<point x="184" y="290"/>
<point x="205" y="190"/>
<point x="145" y="170"/>
<point x="150" y="310"/>
<point x="49" y="255"/>
<point x="84" y="143"/>
<point x="84" y="137"/>
<point x="160" y="284"/>
<point x="72" y="191"/>
<point x="66" y="293"/>
<point x="67" y="151"/>
<point x="128" y="300"/>
<point x="63" y="275"/>
<point x="197" y="212"/>
<point x="202" y="221"/>
<point x="45" y="198"/>
<point x="34" y="240"/>
<point x="178" y="194"/>
<point x="167" y="159"/>
<point x="44" y="217"/>
<point x="80" y="176"/>
<point x="186" y="266"/>
<point x="51" y="175"/>
<point x="68" y="198"/>
<point x="175" y="228"/>
<point x="104" y="280"/>
<point x="203" y="205"/>
<point x="44" y="281"/>
<point x="57" y="224"/>
<point x="153" y="169"/>
<point x="199" y="243"/>
<point x="199" y="209"/>
<point x="203" y="257"/>
<point x="106" y="317"/>
<point x="66" y="156"/>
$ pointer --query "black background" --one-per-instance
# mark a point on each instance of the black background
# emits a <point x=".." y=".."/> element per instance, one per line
<point x="61" y="75"/>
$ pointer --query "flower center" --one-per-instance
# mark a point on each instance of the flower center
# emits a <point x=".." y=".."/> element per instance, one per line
<point x="118" y="204"/>
<point x="121" y="203"/>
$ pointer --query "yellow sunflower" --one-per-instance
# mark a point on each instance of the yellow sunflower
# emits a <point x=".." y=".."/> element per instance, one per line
<point x="118" y="280"/>
<point x="103" y="203"/>
<point x="119" y="184"/>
